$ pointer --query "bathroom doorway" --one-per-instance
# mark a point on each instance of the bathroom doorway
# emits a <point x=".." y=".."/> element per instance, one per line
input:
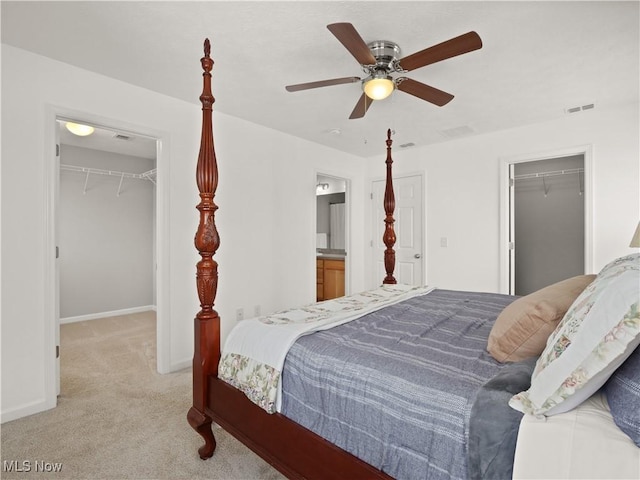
<point x="331" y="237"/>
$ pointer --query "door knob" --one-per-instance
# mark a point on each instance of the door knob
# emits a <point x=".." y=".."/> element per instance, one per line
<point x="417" y="255"/>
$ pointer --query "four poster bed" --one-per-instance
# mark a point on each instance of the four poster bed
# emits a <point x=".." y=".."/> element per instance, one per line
<point x="412" y="382"/>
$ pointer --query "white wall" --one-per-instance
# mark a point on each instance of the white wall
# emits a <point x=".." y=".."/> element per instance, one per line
<point x="268" y="241"/>
<point x="33" y="89"/>
<point x="105" y="234"/>
<point x="463" y="191"/>
<point x="267" y="217"/>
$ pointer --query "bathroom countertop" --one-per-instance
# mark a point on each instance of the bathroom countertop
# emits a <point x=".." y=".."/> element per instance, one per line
<point x="330" y="254"/>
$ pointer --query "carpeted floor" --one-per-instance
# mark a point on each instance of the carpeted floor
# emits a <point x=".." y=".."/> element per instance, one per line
<point x="117" y="418"/>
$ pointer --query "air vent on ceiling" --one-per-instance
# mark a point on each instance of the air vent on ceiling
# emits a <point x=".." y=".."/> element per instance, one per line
<point x="120" y="136"/>
<point x="580" y="108"/>
<point x="407" y="145"/>
<point x="457" y="131"/>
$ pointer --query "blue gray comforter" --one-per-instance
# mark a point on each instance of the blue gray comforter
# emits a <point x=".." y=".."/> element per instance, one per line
<point x="494" y="425"/>
<point x="396" y="387"/>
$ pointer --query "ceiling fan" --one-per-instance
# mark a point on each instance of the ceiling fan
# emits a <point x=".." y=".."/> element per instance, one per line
<point x="380" y="58"/>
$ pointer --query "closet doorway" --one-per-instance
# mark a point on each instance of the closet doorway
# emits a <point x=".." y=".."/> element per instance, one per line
<point x="549" y="220"/>
<point x="105" y="227"/>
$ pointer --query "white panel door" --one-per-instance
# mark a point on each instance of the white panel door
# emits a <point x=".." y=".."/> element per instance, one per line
<point x="408" y="227"/>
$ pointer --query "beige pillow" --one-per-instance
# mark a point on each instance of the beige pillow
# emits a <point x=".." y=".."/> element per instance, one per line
<point x="522" y="329"/>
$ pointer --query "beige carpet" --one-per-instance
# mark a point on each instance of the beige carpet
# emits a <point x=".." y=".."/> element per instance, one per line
<point x="117" y="418"/>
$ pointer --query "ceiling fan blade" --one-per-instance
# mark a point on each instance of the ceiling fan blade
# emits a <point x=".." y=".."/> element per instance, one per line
<point x="451" y="48"/>
<point x="352" y="41"/>
<point x="321" y="83"/>
<point x="361" y="107"/>
<point x="425" y="92"/>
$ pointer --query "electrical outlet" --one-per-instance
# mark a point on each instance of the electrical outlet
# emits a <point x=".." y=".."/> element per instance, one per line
<point x="239" y="314"/>
<point x="256" y="310"/>
<point x="443" y="241"/>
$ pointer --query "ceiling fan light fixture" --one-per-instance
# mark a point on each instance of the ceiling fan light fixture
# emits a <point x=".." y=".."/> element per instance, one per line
<point x="78" y="129"/>
<point x="378" y="87"/>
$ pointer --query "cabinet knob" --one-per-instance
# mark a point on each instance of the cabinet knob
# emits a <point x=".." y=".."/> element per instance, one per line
<point x="417" y="255"/>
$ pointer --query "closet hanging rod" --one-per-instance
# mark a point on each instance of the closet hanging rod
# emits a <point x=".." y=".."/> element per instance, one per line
<point x="98" y="171"/>
<point x="570" y="171"/>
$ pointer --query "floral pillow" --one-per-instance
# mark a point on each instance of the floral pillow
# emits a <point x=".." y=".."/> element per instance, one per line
<point x="623" y="395"/>
<point x="598" y="332"/>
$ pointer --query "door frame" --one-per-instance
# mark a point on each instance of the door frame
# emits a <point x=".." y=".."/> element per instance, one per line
<point x="505" y="210"/>
<point x="51" y="280"/>
<point x="423" y="230"/>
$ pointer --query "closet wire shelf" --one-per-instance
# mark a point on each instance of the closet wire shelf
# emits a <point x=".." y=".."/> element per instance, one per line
<point x="148" y="175"/>
<point x="543" y="175"/>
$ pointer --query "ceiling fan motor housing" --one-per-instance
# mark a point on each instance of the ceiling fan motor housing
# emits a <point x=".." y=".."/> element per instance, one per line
<point x="385" y="53"/>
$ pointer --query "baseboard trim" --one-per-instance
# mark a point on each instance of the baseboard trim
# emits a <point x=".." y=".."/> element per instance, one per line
<point x="113" y="313"/>
<point x="177" y="366"/>
<point x="25" y="410"/>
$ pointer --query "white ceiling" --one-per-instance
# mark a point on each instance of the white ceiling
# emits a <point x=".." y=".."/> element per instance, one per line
<point x="538" y="59"/>
<point x="124" y="143"/>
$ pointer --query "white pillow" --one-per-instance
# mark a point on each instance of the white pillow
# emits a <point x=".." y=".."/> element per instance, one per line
<point x="598" y="332"/>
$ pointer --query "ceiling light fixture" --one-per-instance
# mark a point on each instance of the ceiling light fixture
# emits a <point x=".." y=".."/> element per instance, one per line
<point x="79" y="129"/>
<point x="378" y="86"/>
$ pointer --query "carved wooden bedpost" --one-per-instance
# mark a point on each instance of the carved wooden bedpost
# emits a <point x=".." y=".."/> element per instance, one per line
<point x="389" y="237"/>
<point x="207" y="322"/>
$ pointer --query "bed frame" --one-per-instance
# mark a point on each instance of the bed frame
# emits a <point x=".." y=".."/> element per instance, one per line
<point x="289" y="447"/>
